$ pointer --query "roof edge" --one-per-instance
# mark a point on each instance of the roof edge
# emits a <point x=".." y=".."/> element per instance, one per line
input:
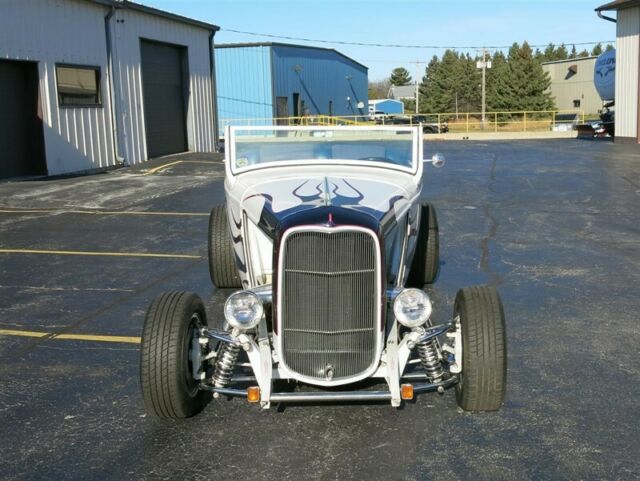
<point x="282" y="44"/>
<point x="577" y="59"/>
<point x="618" y="5"/>
<point x="126" y="4"/>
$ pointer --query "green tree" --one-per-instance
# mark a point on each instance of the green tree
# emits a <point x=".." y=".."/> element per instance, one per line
<point x="597" y="50"/>
<point x="400" y="76"/>
<point x="518" y="82"/>
<point x="450" y="79"/>
<point x="609" y="48"/>
<point x="561" y="52"/>
<point x="574" y="52"/>
<point x="498" y="88"/>
<point x="549" y="53"/>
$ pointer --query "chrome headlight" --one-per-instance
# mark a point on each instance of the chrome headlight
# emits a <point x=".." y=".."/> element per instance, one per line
<point x="412" y="308"/>
<point x="243" y="310"/>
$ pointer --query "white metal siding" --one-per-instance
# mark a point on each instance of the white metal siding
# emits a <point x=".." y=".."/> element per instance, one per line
<point x="62" y="31"/>
<point x="129" y="28"/>
<point x="627" y="72"/>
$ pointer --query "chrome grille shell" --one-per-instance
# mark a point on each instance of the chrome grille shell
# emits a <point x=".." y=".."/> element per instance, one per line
<point x="329" y="304"/>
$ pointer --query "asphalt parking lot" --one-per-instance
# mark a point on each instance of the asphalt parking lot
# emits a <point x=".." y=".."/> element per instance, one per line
<point x="555" y="225"/>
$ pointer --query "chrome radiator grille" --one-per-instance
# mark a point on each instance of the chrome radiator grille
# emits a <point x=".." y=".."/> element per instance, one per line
<point x="329" y="305"/>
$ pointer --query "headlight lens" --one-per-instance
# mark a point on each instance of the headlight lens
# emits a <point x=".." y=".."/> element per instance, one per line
<point x="243" y="310"/>
<point x="412" y="308"/>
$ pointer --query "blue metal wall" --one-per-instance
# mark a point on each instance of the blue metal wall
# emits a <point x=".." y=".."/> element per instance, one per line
<point x="244" y="88"/>
<point x="320" y="77"/>
<point x="389" y="106"/>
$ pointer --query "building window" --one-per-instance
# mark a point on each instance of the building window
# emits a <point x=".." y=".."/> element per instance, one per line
<point x="576" y="104"/>
<point x="78" y="86"/>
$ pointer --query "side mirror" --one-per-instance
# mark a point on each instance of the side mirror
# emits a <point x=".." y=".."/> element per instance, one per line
<point x="437" y="160"/>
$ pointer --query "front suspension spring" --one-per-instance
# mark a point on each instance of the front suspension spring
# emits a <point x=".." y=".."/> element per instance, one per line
<point x="430" y="360"/>
<point x="227" y="357"/>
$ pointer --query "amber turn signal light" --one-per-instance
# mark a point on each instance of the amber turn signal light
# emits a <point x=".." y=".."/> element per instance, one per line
<point x="253" y="394"/>
<point x="406" y="392"/>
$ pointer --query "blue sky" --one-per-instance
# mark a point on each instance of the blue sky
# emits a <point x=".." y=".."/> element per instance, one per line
<point x="412" y="22"/>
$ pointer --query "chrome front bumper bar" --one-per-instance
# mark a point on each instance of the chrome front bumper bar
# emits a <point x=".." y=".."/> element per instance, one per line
<point x="327" y="396"/>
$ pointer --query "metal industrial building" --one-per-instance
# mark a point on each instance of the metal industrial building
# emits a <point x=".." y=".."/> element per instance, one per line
<point x="261" y="81"/>
<point x="92" y="84"/>
<point x="627" y="67"/>
<point x="572" y="84"/>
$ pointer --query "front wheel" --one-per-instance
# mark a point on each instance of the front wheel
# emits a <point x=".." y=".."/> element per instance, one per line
<point x="426" y="259"/>
<point x="222" y="264"/>
<point x="483" y="379"/>
<point x="169" y="389"/>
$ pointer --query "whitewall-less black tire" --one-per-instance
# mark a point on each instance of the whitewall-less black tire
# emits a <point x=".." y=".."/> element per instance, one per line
<point x="483" y="379"/>
<point x="168" y="387"/>
<point x="222" y="264"/>
<point x="426" y="259"/>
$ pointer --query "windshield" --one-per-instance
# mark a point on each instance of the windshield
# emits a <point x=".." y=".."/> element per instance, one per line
<point x="260" y="147"/>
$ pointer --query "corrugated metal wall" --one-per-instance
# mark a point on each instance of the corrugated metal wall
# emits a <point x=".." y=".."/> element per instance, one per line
<point x="566" y="88"/>
<point x="627" y="72"/>
<point x="244" y="88"/>
<point x="320" y="77"/>
<point x="73" y="31"/>
<point x="128" y="28"/>
<point x="62" y="31"/>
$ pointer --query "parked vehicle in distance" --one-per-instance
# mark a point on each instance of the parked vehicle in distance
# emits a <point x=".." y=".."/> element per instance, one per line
<point x="328" y="245"/>
<point x="427" y="126"/>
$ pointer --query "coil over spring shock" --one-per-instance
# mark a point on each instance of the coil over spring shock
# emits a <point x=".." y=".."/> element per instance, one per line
<point x="225" y="363"/>
<point x="430" y="360"/>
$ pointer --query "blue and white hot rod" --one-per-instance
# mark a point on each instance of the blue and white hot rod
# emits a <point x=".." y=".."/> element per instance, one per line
<point x="327" y="246"/>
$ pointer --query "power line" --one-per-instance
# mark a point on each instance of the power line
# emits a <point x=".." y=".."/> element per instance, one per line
<point x="391" y="45"/>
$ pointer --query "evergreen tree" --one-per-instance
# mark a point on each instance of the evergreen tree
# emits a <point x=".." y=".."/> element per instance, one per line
<point x="561" y="53"/>
<point x="583" y="53"/>
<point x="574" y="52"/>
<point x="550" y="53"/>
<point x="454" y="77"/>
<point x="498" y="91"/>
<point x="597" y="50"/>
<point x="609" y="48"/>
<point x="519" y="83"/>
<point x="400" y="76"/>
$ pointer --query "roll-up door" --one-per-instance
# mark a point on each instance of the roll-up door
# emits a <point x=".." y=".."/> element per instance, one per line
<point x="163" y="83"/>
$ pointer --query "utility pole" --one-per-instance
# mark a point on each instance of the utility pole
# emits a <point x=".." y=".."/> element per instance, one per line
<point x="484" y="65"/>
<point x="417" y="64"/>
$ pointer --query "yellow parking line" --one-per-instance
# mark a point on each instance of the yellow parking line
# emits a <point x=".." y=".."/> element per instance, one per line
<point x="160" y="168"/>
<point x="100" y="212"/>
<point x="71" y="337"/>
<point x="105" y="254"/>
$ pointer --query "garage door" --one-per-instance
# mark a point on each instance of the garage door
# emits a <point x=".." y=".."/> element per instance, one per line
<point x="21" y="137"/>
<point x="163" y="85"/>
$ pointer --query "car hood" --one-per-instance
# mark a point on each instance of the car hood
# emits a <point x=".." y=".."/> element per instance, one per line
<point x="279" y="203"/>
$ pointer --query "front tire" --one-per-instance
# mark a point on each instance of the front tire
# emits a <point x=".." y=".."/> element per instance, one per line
<point x="483" y="379"/>
<point x="222" y="264"/>
<point x="426" y="259"/>
<point x="168" y="388"/>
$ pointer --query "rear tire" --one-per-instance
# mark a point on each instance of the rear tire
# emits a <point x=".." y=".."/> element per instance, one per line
<point x="168" y="388"/>
<point x="483" y="379"/>
<point x="222" y="264"/>
<point x="426" y="259"/>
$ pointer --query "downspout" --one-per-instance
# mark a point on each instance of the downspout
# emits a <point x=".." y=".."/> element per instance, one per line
<point x="112" y="92"/>
<point x="604" y="17"/>
<point x="212" y="67"/>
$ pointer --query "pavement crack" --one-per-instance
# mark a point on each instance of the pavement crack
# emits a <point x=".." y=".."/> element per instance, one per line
<point x="485" y="243"/>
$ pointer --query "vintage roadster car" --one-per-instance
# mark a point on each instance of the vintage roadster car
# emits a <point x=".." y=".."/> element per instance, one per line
<point x="328" y="246"/>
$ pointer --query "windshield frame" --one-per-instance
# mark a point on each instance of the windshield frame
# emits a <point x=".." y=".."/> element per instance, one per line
<point x="416" y="148"/>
